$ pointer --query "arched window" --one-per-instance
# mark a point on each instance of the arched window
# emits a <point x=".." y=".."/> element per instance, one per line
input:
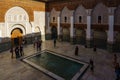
<point x="99" y="19"/>
<point x="53" y="19"/>
<point x="65" y="19"/>
<point x="80" y="19"/>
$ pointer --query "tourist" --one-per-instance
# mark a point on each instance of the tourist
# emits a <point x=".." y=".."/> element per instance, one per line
<point x="115" y="59"/>
<point x="21" y="50"/>
<point x="117" y="71"/>
<point x="54" y="42"/>
<point x="12" y="52"/>
<point x="37" y="45"/>
<point x="17" y="52"/>
<point x="91" y="65"/>
<point x="85" y="46"/>
<point x="76" y="50"/>
<point x="23" y="42"/>
<point x="40" y="44"/>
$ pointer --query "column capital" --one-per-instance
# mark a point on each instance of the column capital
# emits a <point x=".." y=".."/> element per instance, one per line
<point x="111" y="10"/>
<point x="89" y="11"/>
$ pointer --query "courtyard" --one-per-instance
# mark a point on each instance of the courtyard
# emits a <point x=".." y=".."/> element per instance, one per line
<point x="15" y="69"/>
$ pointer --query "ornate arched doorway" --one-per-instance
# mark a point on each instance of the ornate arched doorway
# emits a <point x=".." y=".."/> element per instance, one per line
<point x="16" y="36"/>
<point x="54" y="32"/>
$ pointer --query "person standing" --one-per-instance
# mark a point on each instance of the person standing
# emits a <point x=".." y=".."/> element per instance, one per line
<point x="37" y="45"/>
<point x="21" y="50"/>
<point x="54" y="42"/>
<point x="115" y="59"/>
<point x="94" y="48"/>
<point x="17" y="52"/>
<point x="40" y="44"/>
<point x="117" y="71"/>
<point x="12" y="52"/>
<point x="91" y="65"/>
<point x="76" y="50"/>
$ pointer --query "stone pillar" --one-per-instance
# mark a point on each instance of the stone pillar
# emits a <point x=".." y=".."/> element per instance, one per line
<point x="48" y="31"/>
<point x="48" y="21"/>
<point x="58" y="28"/>
<point x="72" y="30"/>
<point x="89" y="32"/>
<point x="110" y="39"/>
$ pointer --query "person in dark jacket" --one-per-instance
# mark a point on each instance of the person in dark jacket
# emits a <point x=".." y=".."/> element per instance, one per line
<point x="76" y="50"/>
<point x="94" y="48"/>
<point x="91" y="65"/>
<point x="12" y="52"/>
<point x="21" y="50"/>
<point x="117" y="71"/>
<point x="17" y="52"/>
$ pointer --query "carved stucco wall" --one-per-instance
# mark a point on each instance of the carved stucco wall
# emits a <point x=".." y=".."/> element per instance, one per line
<point x="66" y="13"/>
<point x="55" y="14"/>
<point x="100" y="10"/>
<point x="80" y="11"/>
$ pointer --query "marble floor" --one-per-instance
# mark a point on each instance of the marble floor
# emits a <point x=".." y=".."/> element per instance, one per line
<point x="14" y="69"/>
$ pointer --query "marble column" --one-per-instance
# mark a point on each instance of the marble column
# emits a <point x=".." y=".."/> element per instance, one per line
<point x="72" y="30"/>
<point x="58" y="28"/>
<point x="48" y="31"/>
<point x="110" y="39"/>
<point x="89" y="32"/>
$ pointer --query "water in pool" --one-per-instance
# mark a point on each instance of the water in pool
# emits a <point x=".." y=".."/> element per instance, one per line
<point x="60" y="66"/>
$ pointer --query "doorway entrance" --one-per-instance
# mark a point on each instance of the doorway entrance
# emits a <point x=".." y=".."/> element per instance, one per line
<point x="54" y="32"/>
<point x="16" y="36"/>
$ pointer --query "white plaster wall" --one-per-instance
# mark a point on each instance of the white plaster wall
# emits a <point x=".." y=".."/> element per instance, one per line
<point x="80" y="11"/>
<point x="2" y="28"/>
<point x="100" y="10"/>
<point x="39" y="20"/>
<point x="28" y="28"/>
<point x="66" y="12"/>
<point x="32" y="24"/>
